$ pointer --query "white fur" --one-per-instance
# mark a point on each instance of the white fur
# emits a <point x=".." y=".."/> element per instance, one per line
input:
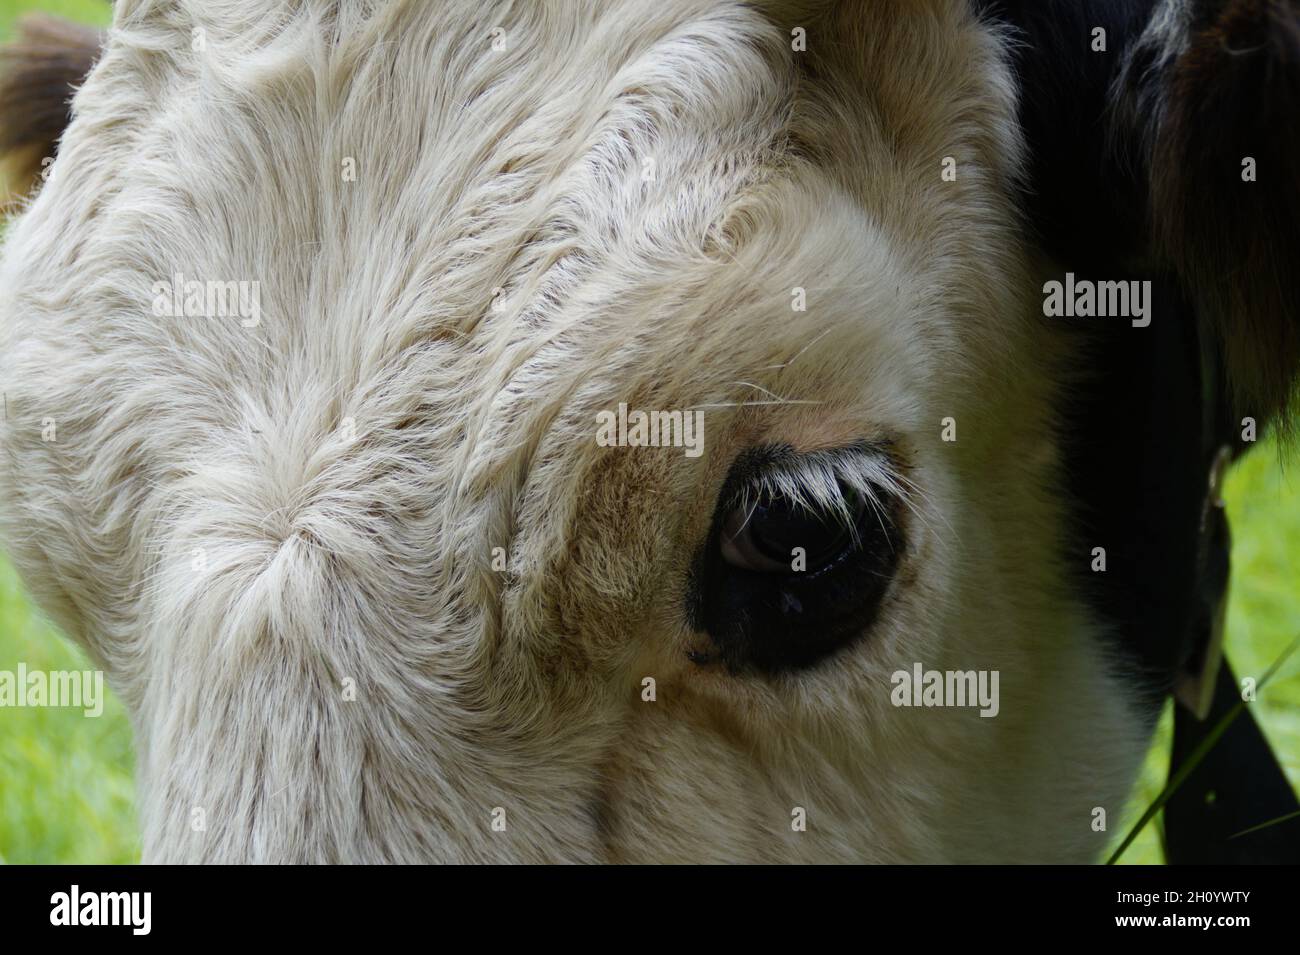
<point x="204" y="526"/>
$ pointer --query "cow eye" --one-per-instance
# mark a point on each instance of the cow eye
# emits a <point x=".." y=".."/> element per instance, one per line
<point x="776" y="534"/>
<point x="802" y="550"/>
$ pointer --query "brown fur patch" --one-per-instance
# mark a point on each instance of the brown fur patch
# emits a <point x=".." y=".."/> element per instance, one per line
<point x="38" y="74"/>
<point x="1235" y="93"/>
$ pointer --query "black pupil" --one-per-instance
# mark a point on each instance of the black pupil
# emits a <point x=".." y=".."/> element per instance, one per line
<point x="779" y="525"/>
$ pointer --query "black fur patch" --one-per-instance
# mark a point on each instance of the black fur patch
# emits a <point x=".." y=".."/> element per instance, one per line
<point x="1085" y="197"/>
<point x="1136" y="173"/>
<point x="1131" y="428"/>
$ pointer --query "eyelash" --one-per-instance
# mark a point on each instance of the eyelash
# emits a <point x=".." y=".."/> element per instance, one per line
<point x="866" y="468"/>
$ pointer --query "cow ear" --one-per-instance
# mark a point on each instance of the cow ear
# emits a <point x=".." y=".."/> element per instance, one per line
<point x="1215" y="88"/>
<point x="39" y="72"/>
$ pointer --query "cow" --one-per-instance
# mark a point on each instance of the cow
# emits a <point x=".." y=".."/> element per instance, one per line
<point x="637" y="431"/>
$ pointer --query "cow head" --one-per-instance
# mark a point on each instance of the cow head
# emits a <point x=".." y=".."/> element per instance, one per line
<point x="492" y="431"/>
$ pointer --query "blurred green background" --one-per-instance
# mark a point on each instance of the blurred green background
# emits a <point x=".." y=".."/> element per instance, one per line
<point x="66" y="786"/>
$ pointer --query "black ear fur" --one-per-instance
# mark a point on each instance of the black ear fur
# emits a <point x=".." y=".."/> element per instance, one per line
<point x="39" y="72"/>
<point x="1233" y="94"/>
<point x="1137" y="152"/>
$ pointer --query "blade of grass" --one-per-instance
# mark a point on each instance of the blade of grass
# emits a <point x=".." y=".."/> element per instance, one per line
<point x="1198" y="754"/>
<point x="1265" y="825"/>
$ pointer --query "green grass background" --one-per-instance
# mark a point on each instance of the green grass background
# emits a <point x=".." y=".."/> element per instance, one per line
<point x="66" y="786"/>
